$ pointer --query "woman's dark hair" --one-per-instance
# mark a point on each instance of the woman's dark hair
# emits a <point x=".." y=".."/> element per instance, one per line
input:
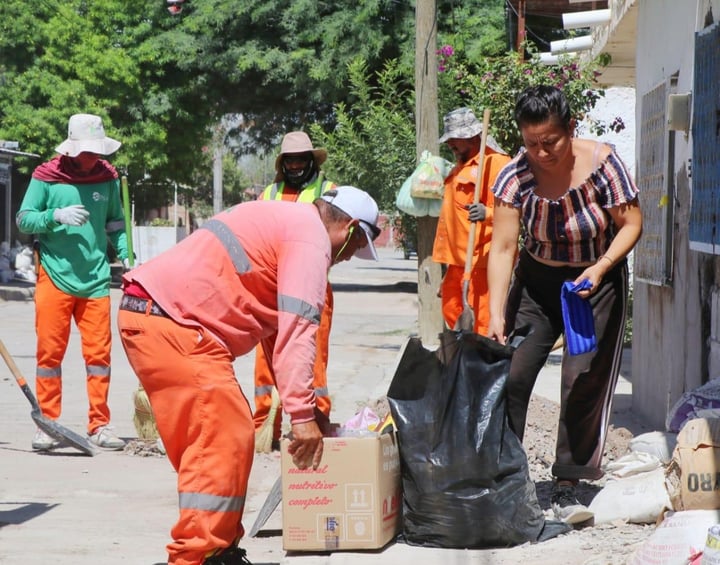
<point x="538" y="104"/>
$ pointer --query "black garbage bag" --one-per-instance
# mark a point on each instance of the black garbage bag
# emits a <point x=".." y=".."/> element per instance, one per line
<point x="465" y="476"/>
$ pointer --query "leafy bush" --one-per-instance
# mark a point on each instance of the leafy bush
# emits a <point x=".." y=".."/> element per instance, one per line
<point x="373" y="144"/>
<point x="496" y="82"/>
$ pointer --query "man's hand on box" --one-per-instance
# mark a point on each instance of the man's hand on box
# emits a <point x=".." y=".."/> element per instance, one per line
<point x="306" y="445"/>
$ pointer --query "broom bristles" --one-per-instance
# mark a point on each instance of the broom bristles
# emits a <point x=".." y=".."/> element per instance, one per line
<point x="264" y="436"/>
<point x="143" y="418"/>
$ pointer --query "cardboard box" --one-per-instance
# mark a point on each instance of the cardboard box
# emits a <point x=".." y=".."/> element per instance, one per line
<point x="694" y="473"/>
<point x="352" y="501"/>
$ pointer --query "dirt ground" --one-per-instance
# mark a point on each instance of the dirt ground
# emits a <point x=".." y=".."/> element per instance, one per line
<point x="117" y="508"/>
<point x="615" y="542"/>
<point x="605" y="544"/>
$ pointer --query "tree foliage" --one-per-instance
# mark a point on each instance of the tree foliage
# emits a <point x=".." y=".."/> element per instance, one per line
<point x="163" y="83"/>
<point x="373" y="144"/>
<point x="71" y="57"/>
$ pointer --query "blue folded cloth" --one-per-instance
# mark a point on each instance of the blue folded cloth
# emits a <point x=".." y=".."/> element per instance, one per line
<point x="578" y="318"/>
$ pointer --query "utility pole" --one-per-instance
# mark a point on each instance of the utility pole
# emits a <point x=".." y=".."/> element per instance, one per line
<point x="430" y="319"/>
<point x="521" y="28"/>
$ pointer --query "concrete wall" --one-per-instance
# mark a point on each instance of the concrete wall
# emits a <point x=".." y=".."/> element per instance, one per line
<point x="150" y="241"/>
<point x="671" y="325"/>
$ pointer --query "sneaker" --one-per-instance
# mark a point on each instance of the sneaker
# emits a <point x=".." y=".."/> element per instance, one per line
<point x="106" y="438"/>
<point x="567" y="507"/>
<point x="231" y="556"/>
<point x="43" y="442"/>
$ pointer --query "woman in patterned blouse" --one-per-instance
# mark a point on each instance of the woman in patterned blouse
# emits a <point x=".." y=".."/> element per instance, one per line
<point x="574" y="207"/>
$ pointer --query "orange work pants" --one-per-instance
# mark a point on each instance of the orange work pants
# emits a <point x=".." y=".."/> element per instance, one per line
<point x="54" y="312"/>
<point x="451" y="293"/>
<point x="205" y="423"/>
<point x="265" y="379"/>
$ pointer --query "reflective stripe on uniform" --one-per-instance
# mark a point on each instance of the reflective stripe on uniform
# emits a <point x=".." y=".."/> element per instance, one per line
<point x="97" y="370"/>
<point x="117" y="225"/>
<point x="271" y="194"/>
<point x="210" y="502"/>
<point x="267" y="389"/>
<point x="44" y="372"/>
<point x="231" y="244"/>
<point x="275" y="190"/>
<point x="293" y="305"/>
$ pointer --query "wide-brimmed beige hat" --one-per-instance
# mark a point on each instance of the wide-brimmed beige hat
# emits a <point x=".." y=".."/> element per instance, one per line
<point x="87" y="134"/>
<point x="299" y="142"/>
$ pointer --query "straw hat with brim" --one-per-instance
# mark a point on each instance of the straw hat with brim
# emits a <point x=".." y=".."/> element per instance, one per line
<point x="299" y="142"/>
<point x="87" y="134"/>
<point x="462" y="124"/>
<point x="359" y="205"/>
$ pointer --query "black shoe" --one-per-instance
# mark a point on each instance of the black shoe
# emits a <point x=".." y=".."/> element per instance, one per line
<point x="231" y="556"/>
<point x="567" y="507"/>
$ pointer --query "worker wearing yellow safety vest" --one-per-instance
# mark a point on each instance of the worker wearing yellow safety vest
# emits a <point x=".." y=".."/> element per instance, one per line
<point x="298" y="178"/>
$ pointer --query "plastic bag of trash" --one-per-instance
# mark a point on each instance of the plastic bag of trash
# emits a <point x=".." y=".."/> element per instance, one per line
<point x="702" y="402"/>
<point x="465" y="476"/>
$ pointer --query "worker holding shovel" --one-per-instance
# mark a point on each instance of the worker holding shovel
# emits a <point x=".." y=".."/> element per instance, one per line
<point x="73" y="205"/>
<point x="256" y="270"/>
<point x="467" y="199"/>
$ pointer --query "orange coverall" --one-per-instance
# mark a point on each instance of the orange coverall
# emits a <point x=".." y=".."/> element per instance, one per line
<point x="257" y="270"/>
<point x="264" y="380"/>
<point x="453" y="232"/>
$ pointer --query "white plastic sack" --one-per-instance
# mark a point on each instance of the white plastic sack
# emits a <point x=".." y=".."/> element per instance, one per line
<point x="681" y="535"/>
<point x="659" y="444"/>
<point x="638" y="499"/>
<point x="633" y="463"/>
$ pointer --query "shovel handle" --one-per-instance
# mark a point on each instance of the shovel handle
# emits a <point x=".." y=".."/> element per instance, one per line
<point x="476" y="195"/>
<point x="128" y="219"/>
<point x="10" y="362"/>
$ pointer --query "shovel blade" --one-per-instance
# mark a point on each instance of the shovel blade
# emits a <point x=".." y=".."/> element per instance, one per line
<point x="466" y="321"/>
<point x="62" y="434"/>
<point x="271" y="503"/>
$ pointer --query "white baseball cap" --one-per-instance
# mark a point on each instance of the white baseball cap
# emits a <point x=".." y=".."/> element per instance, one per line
<point x="359" y="205"/>
<point x="87" y="134"/>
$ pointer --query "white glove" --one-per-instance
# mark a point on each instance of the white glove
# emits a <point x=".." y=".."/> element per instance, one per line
<point x="75" y="215"/>
<point x="126" y="264"/>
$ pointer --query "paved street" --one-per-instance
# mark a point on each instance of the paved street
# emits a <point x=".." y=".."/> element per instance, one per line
<point x="116" y="508"/>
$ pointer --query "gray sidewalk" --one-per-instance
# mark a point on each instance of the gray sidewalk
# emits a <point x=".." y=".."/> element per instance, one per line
<point x="117" y="508"/>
